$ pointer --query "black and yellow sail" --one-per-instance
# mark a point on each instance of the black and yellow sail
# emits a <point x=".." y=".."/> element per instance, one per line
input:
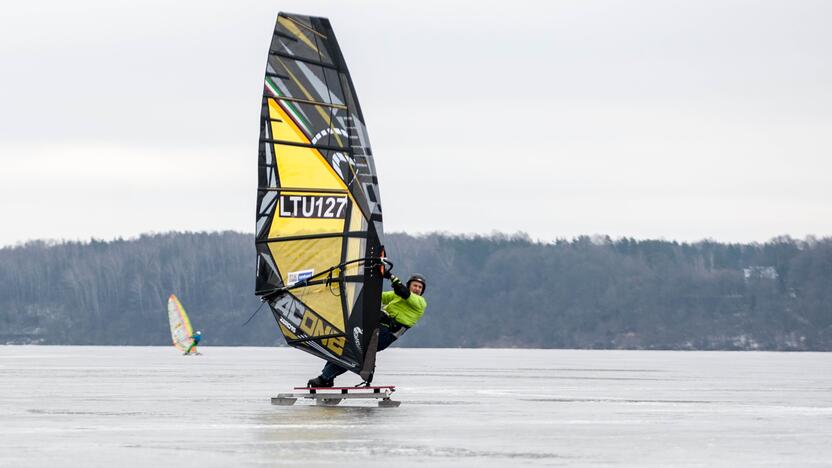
<point x="319" y="225"/>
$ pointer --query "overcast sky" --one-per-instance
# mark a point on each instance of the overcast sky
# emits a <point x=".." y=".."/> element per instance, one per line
<point x="651" y="119"/>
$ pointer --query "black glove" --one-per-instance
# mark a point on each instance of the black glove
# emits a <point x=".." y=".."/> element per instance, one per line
<point x="386" y="273"/>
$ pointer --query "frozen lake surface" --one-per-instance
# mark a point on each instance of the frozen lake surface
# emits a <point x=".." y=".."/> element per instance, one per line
<point x="150" y="406"/>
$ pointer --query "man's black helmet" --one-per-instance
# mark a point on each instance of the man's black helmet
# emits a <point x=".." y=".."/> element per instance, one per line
<point x="419" y="278"/>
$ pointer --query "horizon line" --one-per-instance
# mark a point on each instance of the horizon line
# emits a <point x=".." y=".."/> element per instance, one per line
<point x="595" y="238"/>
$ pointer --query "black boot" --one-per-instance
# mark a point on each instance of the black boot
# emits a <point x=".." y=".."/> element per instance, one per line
<point x="319" y="382"/>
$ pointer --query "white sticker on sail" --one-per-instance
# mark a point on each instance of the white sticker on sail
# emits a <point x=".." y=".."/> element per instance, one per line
<point x="296" y="276"/>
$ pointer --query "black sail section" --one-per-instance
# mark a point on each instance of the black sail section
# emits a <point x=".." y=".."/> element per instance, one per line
<point x="318" y="233"/>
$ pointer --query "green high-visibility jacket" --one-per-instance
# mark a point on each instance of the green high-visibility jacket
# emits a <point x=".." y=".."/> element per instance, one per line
<point x="405" y="311"/>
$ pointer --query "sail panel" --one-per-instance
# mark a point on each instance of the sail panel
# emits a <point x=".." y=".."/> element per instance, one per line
<point x="303" y="39"/>
<point x="303" y="79"/>
<point x="302" y="259"/>
<point x="307" y="329"/>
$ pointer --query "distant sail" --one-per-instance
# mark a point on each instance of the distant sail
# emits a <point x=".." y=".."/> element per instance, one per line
<point x="180" y="326"/>
<point x="319" y="224"/>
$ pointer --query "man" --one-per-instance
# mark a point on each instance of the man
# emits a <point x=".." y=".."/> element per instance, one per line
<point x="401" y="309"/>
<point x="196" y="337"/>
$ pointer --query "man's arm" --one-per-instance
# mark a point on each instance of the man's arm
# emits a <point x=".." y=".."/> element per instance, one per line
<point x="399" y="288"/>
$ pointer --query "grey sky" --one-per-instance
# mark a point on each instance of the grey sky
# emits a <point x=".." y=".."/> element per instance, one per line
<point x="682" y="120"/>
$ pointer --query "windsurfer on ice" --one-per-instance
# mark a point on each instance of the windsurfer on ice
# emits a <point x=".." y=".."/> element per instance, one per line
<point x="196" y="337"/>
<point x="401" y="309"/>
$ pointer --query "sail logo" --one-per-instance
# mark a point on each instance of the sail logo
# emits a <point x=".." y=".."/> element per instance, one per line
<point x="297" y="276"/>
<point x="356" y="334"/>
<point x="329" y="131"/>
<point x="344" y="166"/>
<point x="288" y="325"/>
<point x="313" y="206"/>
<point x="313" y="325"/>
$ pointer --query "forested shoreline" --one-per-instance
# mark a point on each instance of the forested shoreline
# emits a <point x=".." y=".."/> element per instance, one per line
<point x="483" y="291"/>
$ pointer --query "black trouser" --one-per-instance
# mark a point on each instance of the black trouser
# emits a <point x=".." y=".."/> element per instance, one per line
<point x="385" y="339"/>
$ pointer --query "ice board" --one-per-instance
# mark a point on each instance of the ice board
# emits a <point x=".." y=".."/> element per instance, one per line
<point x="331" y="396"/>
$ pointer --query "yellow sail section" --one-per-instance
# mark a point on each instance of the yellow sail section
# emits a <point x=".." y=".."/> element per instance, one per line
<point x="313" y="255"/>
<point x="299" y="166"/>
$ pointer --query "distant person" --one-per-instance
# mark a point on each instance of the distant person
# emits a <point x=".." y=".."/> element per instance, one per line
<point x="401" y="309"/>
<point x="196" y="337"/>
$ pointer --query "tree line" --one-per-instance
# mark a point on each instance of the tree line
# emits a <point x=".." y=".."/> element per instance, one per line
<point x="483" y="291"/>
